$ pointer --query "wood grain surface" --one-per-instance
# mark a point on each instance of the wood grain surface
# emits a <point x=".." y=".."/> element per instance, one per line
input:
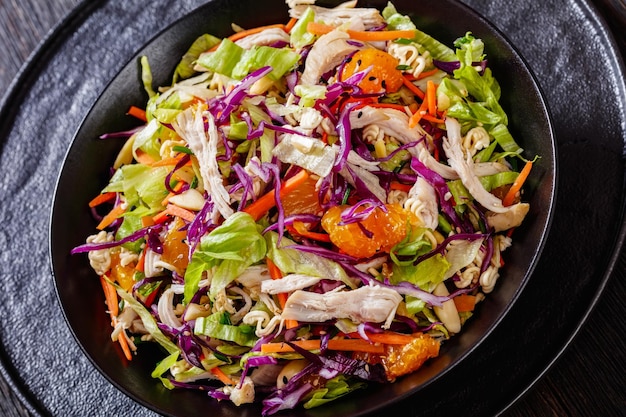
<point x="588" y="379"/>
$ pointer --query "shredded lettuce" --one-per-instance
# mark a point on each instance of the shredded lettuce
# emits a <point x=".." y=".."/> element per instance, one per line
<point x="185" y="67"/>
<point x="227" y="251"/>
<point x="215" y="326"/>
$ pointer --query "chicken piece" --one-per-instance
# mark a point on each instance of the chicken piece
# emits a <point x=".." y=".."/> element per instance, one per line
<point x="288" y="283"/>
<point x="203" y="142"/>
<point x="264" y="38"/>
<point x="510" y="218"/>
<point x="326" y="54"/>
<point x="394" y="123"/>
<point x="365" y="304"/>
<point x="345" y="12"/>
<point x="422" y="200"/>
<point x="464" y="167"/>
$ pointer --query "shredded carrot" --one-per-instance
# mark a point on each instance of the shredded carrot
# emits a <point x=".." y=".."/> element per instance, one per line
<point x="121" y="338"/>
<point x="137" y="112"/>
<point x="316" y="28"/>
<point x="301" y="230"/>
<point x="414" y="89"/>
<point x="147" y="221"/>
<point x="386" y="338"/>
<point x="419" y="113"/>
<point x="115" y="213"/>
<point x="144" y="158"/>
<point x="395" y="185"/>
<point x="399" y="107"/>
<point x="175" y="211"/>
<point x="431" y="97"/>
<point x="465" y="302"/>
<point x="517" y="184"/>
<point x="141" y="261"/>
<point x="433" y="119"/>
<point x="276" y="273"/>
<point x="174" y="192"/>
<point x="225" y="379"/>
<point x="110" y="295"/>
<point x="356" y="345"/>
<point x="290" y="24"/>
<point x="240" y="35"/>
<point x="102" y="198"/>
<point x="262" y="205"/>
<point x="360" y="35"/>
<point x="425" y="74"/>
<point x="170" y="161"/>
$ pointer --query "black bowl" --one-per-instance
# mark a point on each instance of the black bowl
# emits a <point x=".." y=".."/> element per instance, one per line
<point x="86" y="171"/>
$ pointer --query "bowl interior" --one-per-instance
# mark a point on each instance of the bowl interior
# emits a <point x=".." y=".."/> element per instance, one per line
<point x="85" y="172"/>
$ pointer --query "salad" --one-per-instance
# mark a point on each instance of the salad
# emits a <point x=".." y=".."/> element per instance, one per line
<point x="309" y="207"/>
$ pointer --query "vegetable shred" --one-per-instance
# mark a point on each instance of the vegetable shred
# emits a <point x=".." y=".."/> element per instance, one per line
<point x="307" y="208"/>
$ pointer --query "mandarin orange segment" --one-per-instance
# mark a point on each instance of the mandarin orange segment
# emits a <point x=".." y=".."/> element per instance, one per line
<point x="175" y="249"/>
<point x="384" y="76"/>
<point x="380" y="231"/>
<point x="124" y="275"/>
<point x="302" y="200"/>
<point x="404" y="359"/>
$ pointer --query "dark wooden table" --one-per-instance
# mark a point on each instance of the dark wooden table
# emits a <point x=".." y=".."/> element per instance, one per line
<point x="589" y="376"/>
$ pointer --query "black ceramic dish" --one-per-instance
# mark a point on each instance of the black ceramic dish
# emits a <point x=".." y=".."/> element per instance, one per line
<point x="85" y="172"/>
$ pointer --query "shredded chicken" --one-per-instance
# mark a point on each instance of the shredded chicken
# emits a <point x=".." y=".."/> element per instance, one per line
<point x="203" y="142"/>
<point x="266" y="37"/>
<point x="422" y="201"/>
<point x="345" y="12"/>
<point x="288" y="283"/>
<point x="464" y="167"/>
<point x="365" y="304"/>
<point x="508" y="219"/>
<point x="326" y="54"/>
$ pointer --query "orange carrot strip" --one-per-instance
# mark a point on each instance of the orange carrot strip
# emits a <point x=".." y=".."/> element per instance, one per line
<point x="115" y="212"/>
<point x="465" y="302"/>
<point x="175" y="189"/>
<point x="147" y="221"/>
<point x="517" y="184"/>
<point x="225" y="379"/>
<point x="301" y="229"/>
<point x="417" y="116"/>
<point x="141" y="261"/>
<point x="360" y="35"/>
<point x="276" y="273"/>
<point x="174" y="210"/>
<point x="290" y="24"/>
<point x="357" y="345"/>
<point x="170" y="161"/>
<point x="431" y="97"/>
<point x="240" y="35"/>
<point x="137" y="112"/>
<point x="263" y="204"/>
<point x="386" y="338"/>
<point x="124" y="344"/>
<point x="389" y="106"/>
<point x="433" y="119"/>
<point x="380" y="35"/>
<point x="414" y="89"/>
<point x="318" y="28"/>
<point x="110" y="295"/>
<point x="427" y="74"/>
<point x="102" y="198"/>
<point x="395" y="185"/>
<point x="144" y="158"/>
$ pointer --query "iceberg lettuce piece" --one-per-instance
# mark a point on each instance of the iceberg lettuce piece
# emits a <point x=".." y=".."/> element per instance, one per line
<point x="228" y="250"/>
